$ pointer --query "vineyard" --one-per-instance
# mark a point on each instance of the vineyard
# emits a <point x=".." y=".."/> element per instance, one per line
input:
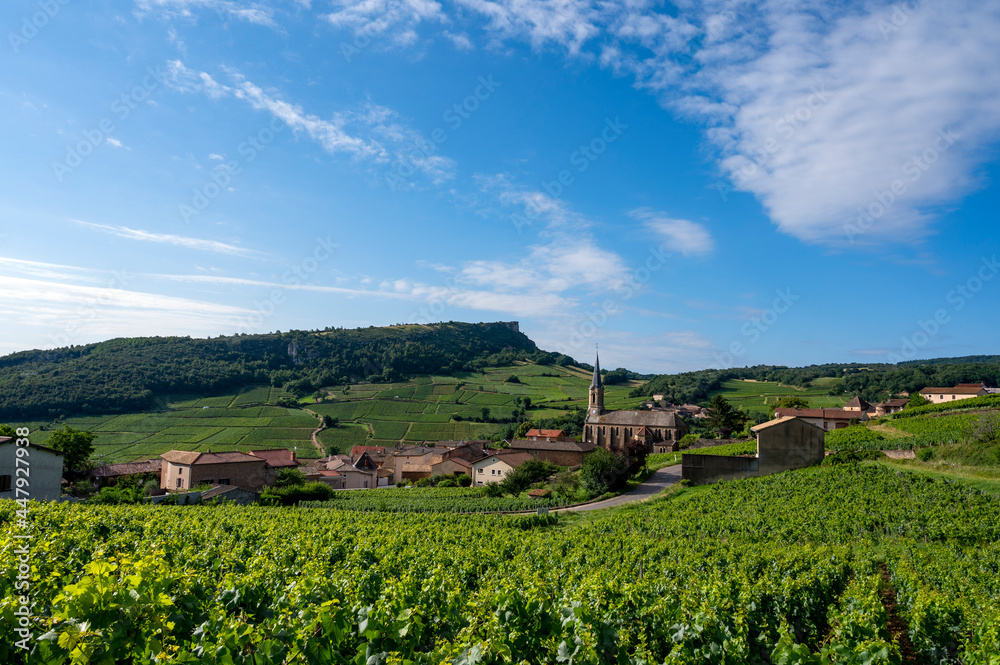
<point x="430" y="500"/>
<point x="906" y="434"/>
<point x="791" y="569"/>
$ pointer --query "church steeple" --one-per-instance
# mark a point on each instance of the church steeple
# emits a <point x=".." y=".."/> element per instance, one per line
<point x="596" y="382"/>
<point x="596" y="405"/>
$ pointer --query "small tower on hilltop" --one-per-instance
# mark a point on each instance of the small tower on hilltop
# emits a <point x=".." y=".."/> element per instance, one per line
<point x="596" y="405"/>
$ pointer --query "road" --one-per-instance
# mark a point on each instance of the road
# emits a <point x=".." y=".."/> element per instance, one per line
<point x="656" y="483"/>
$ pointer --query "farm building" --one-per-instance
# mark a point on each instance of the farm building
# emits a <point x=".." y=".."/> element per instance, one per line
<point x="783" y="444"/>
<point x="40" y="467"/>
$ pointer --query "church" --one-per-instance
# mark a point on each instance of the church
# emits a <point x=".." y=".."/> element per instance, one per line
<point x="659" y="429"/>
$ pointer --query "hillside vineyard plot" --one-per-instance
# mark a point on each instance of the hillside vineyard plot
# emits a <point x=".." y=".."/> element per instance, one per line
<point x="791" y="568"/>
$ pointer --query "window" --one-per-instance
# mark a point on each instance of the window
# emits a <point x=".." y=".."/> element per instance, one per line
<point x="223" y="481"/>
<point x="180" y="482"/>
<point x="480" y="470"/>
<point x="5" y="483"/>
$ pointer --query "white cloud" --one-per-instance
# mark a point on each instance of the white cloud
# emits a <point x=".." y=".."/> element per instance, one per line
<point x="815" y="108"/>
<point x="114" y="142"/>
<point x="679" y="235"/>
<point x="392" y="20"/>
<point x="169" y="239"/>
<point x="256" y="13"/>
<point x="372" y="132"/>
<point x="60" y="313"/>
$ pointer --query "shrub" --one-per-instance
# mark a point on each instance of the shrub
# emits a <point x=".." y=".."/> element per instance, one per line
<point x="855" y="437"/>
<point x="492" y="490"/>
<point x="118" y="495"/>
<point x="292" y="494"/>
<point x="463" y="479"/>
<point x="523" y="476"/>
<point x="513" y="379"/>
<point x="447" y="482"/>
<point x="401" y="483"/>
<point x="853" y="456"/>
<point x="925" y="454"/>
<point x="687" y="441"/>
<point x="424" y="482"/>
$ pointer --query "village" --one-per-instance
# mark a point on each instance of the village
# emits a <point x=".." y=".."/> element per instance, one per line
<point x="794" y="438"/>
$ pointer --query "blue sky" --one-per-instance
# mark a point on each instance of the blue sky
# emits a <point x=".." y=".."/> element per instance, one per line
<point x="698" y="184"/>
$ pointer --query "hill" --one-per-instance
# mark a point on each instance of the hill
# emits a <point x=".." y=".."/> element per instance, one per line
<point x="128" y="375"/>
<point x="424" y="408"/>
<point x="871" y="382"/>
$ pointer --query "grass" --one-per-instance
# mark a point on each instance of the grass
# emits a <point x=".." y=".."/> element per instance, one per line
<point x="762" y="396"/>
<point x="986" y="479"/>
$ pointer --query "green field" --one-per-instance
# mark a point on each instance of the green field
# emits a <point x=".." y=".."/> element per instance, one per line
<point x="425" y="409"/>
<point x="834" y="564"/>
<point x="244" y="421"/>
<point x="762" y="396"/>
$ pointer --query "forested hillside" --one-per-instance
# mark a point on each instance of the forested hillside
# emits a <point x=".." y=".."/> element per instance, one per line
<point x="123" y="375"/>
<point x="872" y="382"/>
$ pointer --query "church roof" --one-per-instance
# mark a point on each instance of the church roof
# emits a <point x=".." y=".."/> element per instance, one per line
<point x="596" y="382"/>
<point x="636" y="418"/>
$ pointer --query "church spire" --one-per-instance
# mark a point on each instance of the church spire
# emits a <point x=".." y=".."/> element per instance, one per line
<point x="596" y="382"/>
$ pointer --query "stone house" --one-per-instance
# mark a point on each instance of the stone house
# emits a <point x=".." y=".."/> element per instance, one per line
<point x="564" y="452"/>
<point x="546" y="435"/>
<point x="961" y="391"/>
<point x="828" y="419"/>
<point x="445" y="458"/>
<point x="40" y="468"/>
<point x="110" y="474"/>
<point x="890" y="406"/>
<point x="183" y="470"/>
<point x="494" y="467"/>
<point x="276" y="459"/>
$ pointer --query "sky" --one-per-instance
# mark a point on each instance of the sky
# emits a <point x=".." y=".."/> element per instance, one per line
<point x="689" y="185"/>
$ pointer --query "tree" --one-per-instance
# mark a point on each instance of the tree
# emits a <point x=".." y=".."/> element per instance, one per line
<point x="602" y="472"/>
<point x="633" y="456"/>
<point x="793" y="402"/>
<point x="721" y="416"/>
<point x="916" y="399"/>
<point x="76" y="446"/>
<point x="513" y="379"/>
<point x="485" y="413"/>
<point x="527" y="403"/>
<point x="289" y="478"/>
<point x="522" y="429"/>
<point x="330" y="421"/>
<point x="7" y="430"/>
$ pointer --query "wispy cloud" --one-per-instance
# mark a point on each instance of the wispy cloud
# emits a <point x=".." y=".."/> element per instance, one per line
<point x="372" y="132"/>
<point x="253" y="12"/>
<point x="817" y="109"/>
<point x="170" y="239"/>
<point x="679" y="235"/>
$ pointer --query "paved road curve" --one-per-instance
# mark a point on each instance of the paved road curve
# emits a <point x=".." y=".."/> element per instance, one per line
<point x="656" y="483"/>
